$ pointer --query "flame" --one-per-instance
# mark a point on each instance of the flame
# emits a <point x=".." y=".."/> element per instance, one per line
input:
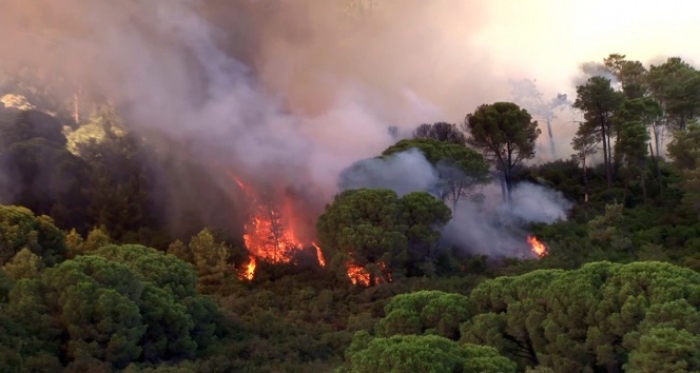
<point x="250" y="269"/>
<point x="269" y="233"/>
<point x="358" y="275"/>
<point x="319" y="254"/>
<point x="537" y="247"/>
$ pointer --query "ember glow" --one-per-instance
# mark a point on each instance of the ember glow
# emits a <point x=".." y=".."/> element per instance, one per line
<point x="536" y="246"/>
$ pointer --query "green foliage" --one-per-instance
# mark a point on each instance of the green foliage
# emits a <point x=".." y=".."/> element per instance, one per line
<point x="684" y="150"/>
<point x="425" y="312"/>
<point x="20" y="228"/>
<point x="506" y="135"/>
<point x="372" y="227"/>
<point x="666" y="350"/>
<point x="25" y="264"/>
<point x="588" y="318"/>
<point x="460" y="168"/>
<point x="412" y="353"/>
<point x="128" y="304"/>
<point x="210" y="258"/>
<point x="598" y="101"/>
<point x="676" y="86"/>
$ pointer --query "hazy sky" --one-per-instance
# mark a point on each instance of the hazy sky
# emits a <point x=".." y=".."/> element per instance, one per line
<point x="550" y="38"/>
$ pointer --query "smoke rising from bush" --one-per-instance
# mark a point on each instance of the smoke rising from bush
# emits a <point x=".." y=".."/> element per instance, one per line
<point x="495" y="229"/>
<point x="488" y="227"/>
<point x="403" y="173"/>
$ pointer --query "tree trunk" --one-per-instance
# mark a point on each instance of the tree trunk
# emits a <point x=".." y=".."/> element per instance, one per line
<point x="644" y="185"/>
<point x="585" y="182"/>
<point x="551" y="138"/>
<point x="606" y="156"/>
<point x="504" y="189"/>
<point x="509" y="189"/>
<point x="656" y="165"/>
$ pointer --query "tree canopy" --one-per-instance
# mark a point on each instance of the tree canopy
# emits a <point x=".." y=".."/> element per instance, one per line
<point x="374" y="227"/>
<point x="506" y="135"/>
<point x="459" y="168"/>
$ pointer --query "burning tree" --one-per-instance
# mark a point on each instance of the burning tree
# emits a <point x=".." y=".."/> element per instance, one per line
<point x="380" y="234"/>
<point x="270" y="233"/>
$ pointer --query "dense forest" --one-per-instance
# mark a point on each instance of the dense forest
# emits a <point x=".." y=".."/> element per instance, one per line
<point x="103" y="272"/>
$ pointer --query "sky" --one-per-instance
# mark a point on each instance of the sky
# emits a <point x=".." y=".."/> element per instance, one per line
<point x="550" y="38"/>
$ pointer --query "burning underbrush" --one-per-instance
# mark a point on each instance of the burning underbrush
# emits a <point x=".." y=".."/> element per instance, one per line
<point x="277" y="229"/>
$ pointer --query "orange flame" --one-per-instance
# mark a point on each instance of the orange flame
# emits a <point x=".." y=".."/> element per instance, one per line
<point x="537" y="247"/>
<point x="250" y="269"/>
<point x="358" y="275"/>
<point x="269" y="234"/>
<point x="319" y="254"/>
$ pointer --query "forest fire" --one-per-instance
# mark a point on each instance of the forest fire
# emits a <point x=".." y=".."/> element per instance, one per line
<point x="536" y="246"/>
<point x="250" y="269"/>
<point x="358" y="275"/>
<point x="269" y="233"/>
<point x="319" y="254"/>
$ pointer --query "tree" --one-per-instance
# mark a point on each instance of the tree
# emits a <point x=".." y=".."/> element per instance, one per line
<point x="40" y="173"/>
<point x="506" y="135"/>
<point x="599" y="101"/>
<point x="684" y="151"/>
<point x="592" y="318"/>
<point x="122" y="305"/>
<point x="526" y="94"/>
<point x="632" y="148"/>
<point x="210" y="258"/>
<point x="459" y="168"/>
<point x="631" y="75"/>
<point x="441" y="131"/>
<point x="430" y="354"/>
<point x="25" y="264"/>
<point x="373" y="228"/>
<point x="585" y="144"/>
<point x="425" y="312"/>
<point x="20" y="228"/>
<point x="676" y="86"/>
<point x="666" y="350"/>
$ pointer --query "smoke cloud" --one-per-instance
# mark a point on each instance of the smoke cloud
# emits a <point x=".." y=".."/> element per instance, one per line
<point x="289" y="93"/>
<point x="403" y="173"/>
<point x="497" y="230"/>
<point x="489" y="227"/>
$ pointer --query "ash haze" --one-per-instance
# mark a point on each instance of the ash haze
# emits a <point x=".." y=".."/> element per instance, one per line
<point x="293" y="92"/>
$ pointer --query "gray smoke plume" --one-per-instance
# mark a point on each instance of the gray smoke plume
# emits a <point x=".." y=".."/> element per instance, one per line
<point x="493" y="228"/>
<point x="261" y="86"/>
<point x="488" y="227"/>
<point x="403" y="173"/>
<point x="284" y="93"/>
